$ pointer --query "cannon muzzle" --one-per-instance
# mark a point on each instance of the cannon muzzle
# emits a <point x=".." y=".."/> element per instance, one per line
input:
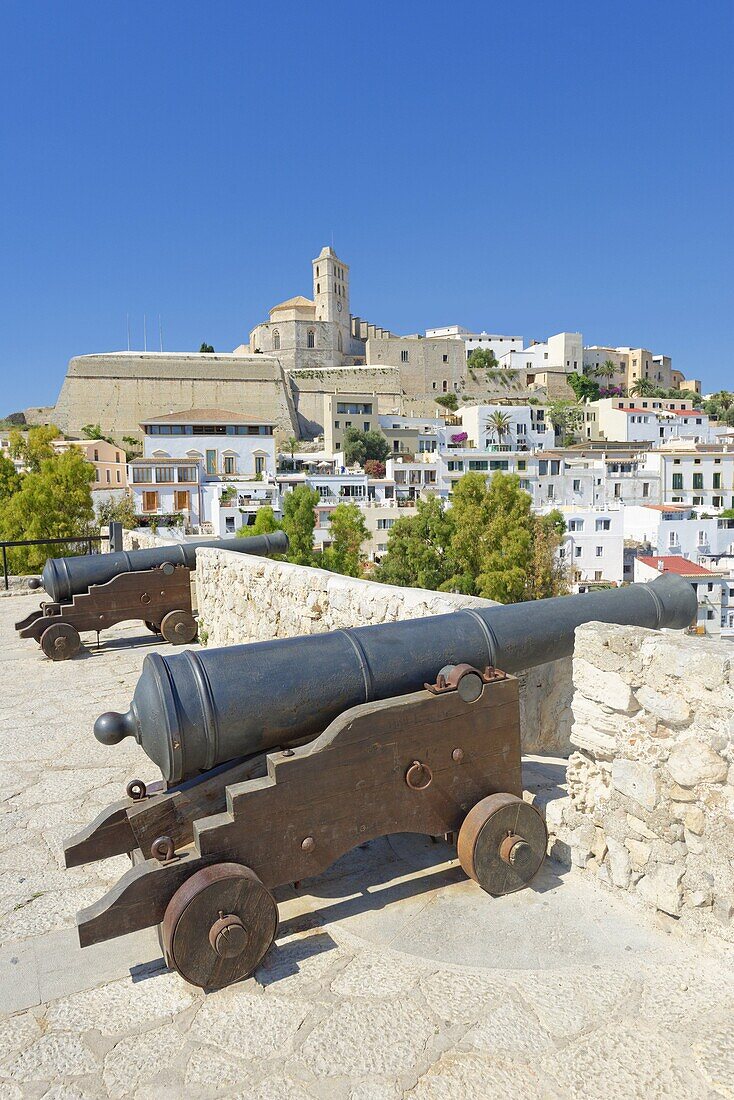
<point x="198" y="709"/>
<point x="64" y="578"/>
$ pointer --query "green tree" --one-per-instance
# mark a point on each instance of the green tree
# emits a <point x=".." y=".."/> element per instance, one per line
<point x="418" y="548"/>
<point x="291" y="444"/>
<point x="118" y="510"/>
<point x="92" y="431"/>
<point x="448" y="401"/>
<point x="299" y="520"/>
<point x="35" y="447"/>
<point x="508" y="541"/>
<point x="470" y="519"/>
<point x="10" y="479"/>
<point x="348" y="532"/>
<point x="54" y="501"/>
<point x="566" y="417"/>
<point x="499" y="423"/>
<point x="206" y="349"/>
<point x="606" y="370"/>
<point x="265" y="523"/>
<point x="548" y="575"/>
<point x="643" y="387"/>
<point x="354" y="447"/>
<point x="376" y="445"/>
<point x="585" y="388"/>
<point x="482" y="359"/>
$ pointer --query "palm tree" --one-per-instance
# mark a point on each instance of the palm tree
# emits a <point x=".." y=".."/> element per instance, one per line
<point x="499" y="423"/>
<point x="292" y="445"/>
<point x="606" y="370"/>
<point x="643" y="387"/>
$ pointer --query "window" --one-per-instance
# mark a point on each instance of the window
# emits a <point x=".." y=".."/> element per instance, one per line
<point x="577" y="551"/>
<point x="96" y="454"/>
<point x="677" y="481"/>
<point x="717" y="481"/>
<point x="673" y="538"/>
<point x="229" y="464"/>
<point x="698" y="481"/>
<point x="577" y="485"/>
<point x="142" y="475"/>
<point x="119" y="479"/>
<point x="109" y="478"/>
<point x="646" y="488"/>
<point x="403" y="356"/>
<point x="603" y="524"/>
<point x="186" y="473"/>
<point x="543" y="467"/>
<point x="259" y="464"/>
<point x="182" y="499"/>
<point x="211" y="463"/>
<point x="555" y="466"/>
<point x="311" y="339"/>
<point x="575" y="525"/>
<point x="698" y="502"/>
<point x="445" y="386"/>
<point x="276" y="340"/>
<point x="150" y="502"/>
<point x="366" y="425"/>
<point x="599" y="551"/>
<point x="522" y="464"/>
<point x="117" y="456"/>
<point x="718" y="502"/>
<point x="701" y="538"/>
<point x="597" y="574"/>
<point x="164" y="475"/>
<point x="336" y="423"/>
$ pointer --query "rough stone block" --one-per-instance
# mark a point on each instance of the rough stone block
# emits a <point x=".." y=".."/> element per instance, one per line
<point x="619" y="863"/>
<point x="637" y="781"/>
<point x="661" y="887"/>
<point x="692" y="762"/>
<point x="669" y="708"/>
<point x="607" y="688"/>
<point x="639" y="853"/>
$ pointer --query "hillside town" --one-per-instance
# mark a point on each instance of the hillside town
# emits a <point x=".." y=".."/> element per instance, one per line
<point x="614" y="439"/>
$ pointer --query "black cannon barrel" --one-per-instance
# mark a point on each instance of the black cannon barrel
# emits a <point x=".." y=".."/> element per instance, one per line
<point x="64" y="578"/>
<point x="195" y="710"/>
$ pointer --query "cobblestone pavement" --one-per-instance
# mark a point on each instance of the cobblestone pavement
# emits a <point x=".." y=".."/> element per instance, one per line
<point x="393" y="977"/>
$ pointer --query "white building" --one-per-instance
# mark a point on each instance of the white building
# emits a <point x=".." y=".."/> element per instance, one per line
<point x="526" y="428"/>
<point x="500" y="345"/>
<point x="713" y="590"/>
<point x="696" y="475"/>
<point x="190" y="460"/>
<point x="593" y="545"/>
<point x="562" y="353"/>
<point x="647" y="420"/>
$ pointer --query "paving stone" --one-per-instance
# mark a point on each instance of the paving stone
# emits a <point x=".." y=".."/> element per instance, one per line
<point x="625" y="1059"/>
<point x="17" y="1033"/>
<point x="121" y="1006"/>
<point x="51" y="1057"/>
<point x="381" y="974"/>
<point x="301" y="967"/>
<point x="139" y="1059"/>
<point x="210" y="1071"/>
<point x="509" y="1029"/>
<point x="250" y="1025"/>
<point x="361" y="1037"/>
<point x="276" y="1088"/>
<point x="461" y="995"/>
<point x="714" y="1056"/>
<point x="477" y="1077"/>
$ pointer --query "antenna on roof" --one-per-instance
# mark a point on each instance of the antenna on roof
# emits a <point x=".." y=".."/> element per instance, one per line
<point x="160" y="332"/>
<point x="145" y="333"/>
<point x="128" y="332"/>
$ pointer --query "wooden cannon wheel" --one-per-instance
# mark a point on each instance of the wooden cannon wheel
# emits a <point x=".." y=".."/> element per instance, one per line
<point x="219" y="925"/>
<point x="502" y="843"/>
<point x="60" y="641"/>
<point x="178" y="627"/>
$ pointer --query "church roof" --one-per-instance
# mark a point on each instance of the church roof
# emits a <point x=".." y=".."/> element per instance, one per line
<point x="299" y="302"/>
<point x="326" y="252"/>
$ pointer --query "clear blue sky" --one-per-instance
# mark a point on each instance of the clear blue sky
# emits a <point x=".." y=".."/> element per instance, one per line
<point x="522" y="167"/>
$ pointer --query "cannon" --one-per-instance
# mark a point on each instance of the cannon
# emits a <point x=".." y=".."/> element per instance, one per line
<point x="95" y="591"/>
<point x="279" y="757"/>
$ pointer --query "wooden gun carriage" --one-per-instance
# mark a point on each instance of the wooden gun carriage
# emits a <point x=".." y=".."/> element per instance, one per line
<point x="279" y="757"/>
<point x="93" y="592"/>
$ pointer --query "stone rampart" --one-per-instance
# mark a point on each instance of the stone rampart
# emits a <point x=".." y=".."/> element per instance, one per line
<point x="244" y="599"/>
<point x="650" y="806"/>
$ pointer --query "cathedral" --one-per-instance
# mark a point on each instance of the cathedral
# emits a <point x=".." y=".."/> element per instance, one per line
<point x="318" y="332"/>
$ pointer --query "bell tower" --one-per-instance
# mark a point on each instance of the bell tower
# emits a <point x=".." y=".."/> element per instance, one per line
<point x="331" y="292"/>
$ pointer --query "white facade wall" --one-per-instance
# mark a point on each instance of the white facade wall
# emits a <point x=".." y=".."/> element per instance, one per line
<point x="525" y="430"/>
<point x="695" y="478"/>
<point x="712" y="592"/>
<point x="593" y="546"/>
<point x="242" y="450"/>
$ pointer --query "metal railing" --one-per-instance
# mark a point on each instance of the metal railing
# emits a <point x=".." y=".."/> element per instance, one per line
<point x="86" y="540"/>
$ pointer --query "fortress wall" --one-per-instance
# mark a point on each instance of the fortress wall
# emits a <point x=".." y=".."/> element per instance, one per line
<point x="309" y="386"/>
<point x="118" y="391"/>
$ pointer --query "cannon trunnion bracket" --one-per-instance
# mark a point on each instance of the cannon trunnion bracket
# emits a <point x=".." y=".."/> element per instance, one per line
<point x="208" y="853"/>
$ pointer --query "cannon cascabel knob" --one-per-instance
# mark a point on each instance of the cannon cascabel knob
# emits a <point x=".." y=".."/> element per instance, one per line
<point x="34" y="583"/>
<point x="111" y="727"/>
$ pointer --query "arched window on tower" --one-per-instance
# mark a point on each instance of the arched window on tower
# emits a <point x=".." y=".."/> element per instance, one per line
<point x="318" y="286"/>
<point x="311" y="339"/>
<point x="339" y="344"/>
<point x="276" y="340"/>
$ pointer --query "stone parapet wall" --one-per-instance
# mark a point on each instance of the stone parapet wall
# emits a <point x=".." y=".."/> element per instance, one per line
<point x="246" y="599"/>
<point x="143" y="539"/>
<point x="650" y="806"/>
